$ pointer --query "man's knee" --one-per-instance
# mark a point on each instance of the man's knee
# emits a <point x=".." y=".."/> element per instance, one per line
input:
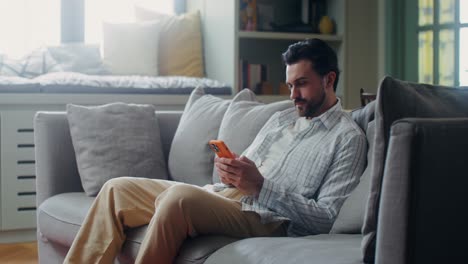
<point x="181" y="197"/>
<point x="116" y="184"/>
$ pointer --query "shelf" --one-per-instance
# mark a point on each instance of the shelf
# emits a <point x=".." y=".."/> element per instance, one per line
<point x="287" y="35"/>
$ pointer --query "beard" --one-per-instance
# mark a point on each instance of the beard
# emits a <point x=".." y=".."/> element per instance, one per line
<point x="309" y="108"/>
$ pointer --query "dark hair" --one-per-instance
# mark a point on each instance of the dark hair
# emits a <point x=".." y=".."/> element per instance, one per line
<point x="322" y="56"/>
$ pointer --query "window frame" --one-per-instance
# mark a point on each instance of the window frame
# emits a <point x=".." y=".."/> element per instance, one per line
<point x="402" y="39"/>
<point x="73" y="19"/>
<point x="436" y="27"/>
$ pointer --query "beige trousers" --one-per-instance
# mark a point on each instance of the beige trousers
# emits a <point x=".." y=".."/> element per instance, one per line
<point x="173" y="212"/>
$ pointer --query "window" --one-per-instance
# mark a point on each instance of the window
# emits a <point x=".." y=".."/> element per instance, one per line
<point x="28" y="24"/>
<point x="442" y="32"/>
<point x="97" y="11"/>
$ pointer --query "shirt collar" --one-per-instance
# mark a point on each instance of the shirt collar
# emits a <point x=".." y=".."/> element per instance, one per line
<point x="328" y="118"/>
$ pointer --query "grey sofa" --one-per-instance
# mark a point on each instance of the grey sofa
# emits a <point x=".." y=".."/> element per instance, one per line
<point x="417" y="151"/>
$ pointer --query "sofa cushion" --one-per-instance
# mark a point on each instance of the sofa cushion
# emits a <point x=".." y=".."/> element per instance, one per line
<point x="59" y="217"/>
<point x="243" y="119"/>
<point x="131" y="48"/>
<point x="194" y="250"/>
<point x="78" y="57"/>
<point x="329" y="249"/>
<point x="115" y="140"/>
<point x="362" y="116"/>
<point x="176" y="56"/>
<point x="34" y="64"/>
<point x="190" y="158"/>
<point x="396" y="100"/>
<point x="351" y="215"/>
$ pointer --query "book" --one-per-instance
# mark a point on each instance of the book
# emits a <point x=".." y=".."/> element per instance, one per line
<point x="252" y="75"/>
<point x="248" y="15"/>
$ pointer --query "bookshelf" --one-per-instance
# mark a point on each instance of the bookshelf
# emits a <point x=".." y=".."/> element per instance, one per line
<point x="227" y="45"/>
<point x="286" y="36"/>
<point x="266" y="47"/>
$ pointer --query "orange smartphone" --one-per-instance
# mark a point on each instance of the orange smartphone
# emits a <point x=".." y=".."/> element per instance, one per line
<point x="220" y="149"/>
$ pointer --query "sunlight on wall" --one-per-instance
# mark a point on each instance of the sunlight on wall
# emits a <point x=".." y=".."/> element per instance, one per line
<point x="463" y="11"/>
<point x="463" y="57"/>
<point x="28" y="24"/>
<point x="464" y="44"/>
<point x="97" y="11"/>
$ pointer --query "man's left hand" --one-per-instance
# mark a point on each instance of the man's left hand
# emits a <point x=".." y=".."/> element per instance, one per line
<point x="242" y="173"/>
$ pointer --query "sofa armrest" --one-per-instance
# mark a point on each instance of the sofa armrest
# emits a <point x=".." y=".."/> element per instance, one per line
<point x="422" y="217"/>
<point x="56" y="170"/>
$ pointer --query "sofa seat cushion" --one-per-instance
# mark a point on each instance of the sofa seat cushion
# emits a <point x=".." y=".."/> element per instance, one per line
<point x="325" y="249"/>
<point x="194" y="250"/>
<point x="60" y="216"/>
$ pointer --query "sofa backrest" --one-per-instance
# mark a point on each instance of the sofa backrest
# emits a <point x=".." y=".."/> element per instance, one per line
<point x="364" y="115"/>
<point x="351" y="216"/>
<point x="396" y="100"/>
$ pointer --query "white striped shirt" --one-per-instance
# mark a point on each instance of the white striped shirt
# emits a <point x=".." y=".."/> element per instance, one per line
<point x="310" y="180"/>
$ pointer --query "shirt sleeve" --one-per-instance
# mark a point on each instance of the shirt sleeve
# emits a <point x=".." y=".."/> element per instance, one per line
<point x="315" y="216"/>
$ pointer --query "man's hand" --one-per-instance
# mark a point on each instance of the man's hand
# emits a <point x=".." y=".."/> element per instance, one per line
<point x="240" y="172"/>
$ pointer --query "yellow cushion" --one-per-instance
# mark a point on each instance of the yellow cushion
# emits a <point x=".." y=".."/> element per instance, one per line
<point x="180" y="42"/>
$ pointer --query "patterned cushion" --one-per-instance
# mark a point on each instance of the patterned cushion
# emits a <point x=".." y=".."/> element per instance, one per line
<point x="36" y="63"/>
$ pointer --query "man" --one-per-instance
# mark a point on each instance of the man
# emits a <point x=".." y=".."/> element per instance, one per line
<point x="292" y="180"/>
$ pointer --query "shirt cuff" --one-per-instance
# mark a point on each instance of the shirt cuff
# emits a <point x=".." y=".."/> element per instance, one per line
<point x="268" y="193"/>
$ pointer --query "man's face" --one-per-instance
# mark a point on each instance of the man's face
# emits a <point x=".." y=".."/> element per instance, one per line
<point x="308" y="89"/>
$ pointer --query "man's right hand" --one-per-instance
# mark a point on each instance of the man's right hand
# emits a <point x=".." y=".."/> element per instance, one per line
<point x="223" y="179"/>
<point x="242" y="173"/>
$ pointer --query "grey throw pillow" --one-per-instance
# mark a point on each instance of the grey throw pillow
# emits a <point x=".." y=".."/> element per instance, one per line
<point x="351" y="216"/>
<point x="395" y="100"/>
<point x="115" y="140"/>
<point x="190" y="158"/>
<point x="243" y="120"/>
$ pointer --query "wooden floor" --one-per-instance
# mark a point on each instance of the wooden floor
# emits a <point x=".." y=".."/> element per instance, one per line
<point x="20" y="253"/>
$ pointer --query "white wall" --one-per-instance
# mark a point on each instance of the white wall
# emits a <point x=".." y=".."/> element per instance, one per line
<point x="381" y="38"/>
<point x="363" y="55"/>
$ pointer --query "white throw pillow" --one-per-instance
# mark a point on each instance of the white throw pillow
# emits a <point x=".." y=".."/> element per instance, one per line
<point x="131" y="48"/>
<point x="243" y="120"/>
<point x="180" y="48"/>
<point x="191" y="159"/>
